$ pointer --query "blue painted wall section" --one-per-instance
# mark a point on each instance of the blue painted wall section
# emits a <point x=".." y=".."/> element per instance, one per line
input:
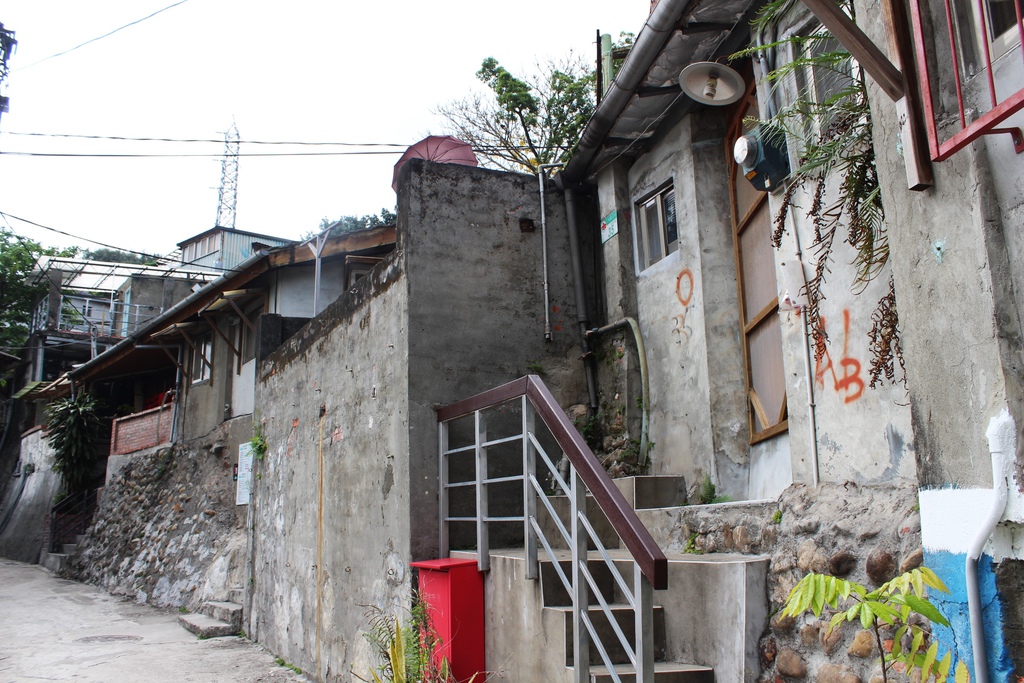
<point x="951" y="568"/>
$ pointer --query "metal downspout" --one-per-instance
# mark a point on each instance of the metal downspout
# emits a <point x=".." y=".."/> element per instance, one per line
<point x="652" y="38"/>
<point x="645" y="383"/>
<point x="582" y="318"/>
<point x="1002" y="447"/>
<point x="544" y="247"/>
<point x="812" y="419"/>
<point x="176" y="415"/>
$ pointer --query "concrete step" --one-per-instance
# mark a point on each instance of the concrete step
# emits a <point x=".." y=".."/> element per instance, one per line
<point x="645" y="492"/>
<point x="206" y="626"/>
<point x="236" y="594"/>
<point x="54" y="561"/>
<point x="69" y="548"/>
<point x="228" y="612"/>
<point x="624" y="616"/>
<point x="664" y="672"/>
<point x="554" y="591"/>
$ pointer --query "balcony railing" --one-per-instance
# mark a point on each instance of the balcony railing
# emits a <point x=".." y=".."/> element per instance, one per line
<point x="93" y="316"/>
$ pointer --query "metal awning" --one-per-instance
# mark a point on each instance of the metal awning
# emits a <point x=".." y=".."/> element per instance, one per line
<point x="100" y="276"/>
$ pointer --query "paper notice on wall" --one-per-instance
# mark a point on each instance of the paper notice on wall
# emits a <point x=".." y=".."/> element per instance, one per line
<point x="609" y="226"/>
<point x="244" y="484"/>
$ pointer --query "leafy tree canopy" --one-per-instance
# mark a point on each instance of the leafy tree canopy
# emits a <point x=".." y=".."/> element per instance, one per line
<point x="521" y="123"/>
<point x="18" y="256"/>
<point x="353" y="223"/>
<point x="118" y="256"/>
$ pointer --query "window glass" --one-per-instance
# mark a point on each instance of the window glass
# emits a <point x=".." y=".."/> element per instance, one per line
<point x="657" y="232"/>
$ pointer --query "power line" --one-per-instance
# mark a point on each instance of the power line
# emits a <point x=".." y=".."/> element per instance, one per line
<point x="210" y="140"/>
<point x="109" y="33"/>
<point x="84" y="239"/>
<point x="187" y="156"/>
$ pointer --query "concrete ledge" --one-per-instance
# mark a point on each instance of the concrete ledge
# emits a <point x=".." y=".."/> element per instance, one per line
<point x="206" y="626"/>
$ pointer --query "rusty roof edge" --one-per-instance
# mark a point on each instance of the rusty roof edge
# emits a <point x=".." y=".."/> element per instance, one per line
<point x="649" y="44"/>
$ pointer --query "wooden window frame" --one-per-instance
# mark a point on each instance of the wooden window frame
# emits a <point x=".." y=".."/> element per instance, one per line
<point x="202" y="358"/>
<point x="754" y="409"/>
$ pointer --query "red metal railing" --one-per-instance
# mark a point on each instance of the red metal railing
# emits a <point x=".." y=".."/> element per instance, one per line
<point x="1000" y="110"/>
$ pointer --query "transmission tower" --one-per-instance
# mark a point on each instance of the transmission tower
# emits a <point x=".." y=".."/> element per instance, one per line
<point x="228" y="180"/>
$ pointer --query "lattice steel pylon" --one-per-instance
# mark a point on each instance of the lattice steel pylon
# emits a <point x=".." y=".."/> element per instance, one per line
<point x="228" y="195"/>
<point x="7" y="45"/>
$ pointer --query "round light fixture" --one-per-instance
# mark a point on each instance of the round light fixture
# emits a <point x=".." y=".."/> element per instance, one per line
<point x="712" y="83"/>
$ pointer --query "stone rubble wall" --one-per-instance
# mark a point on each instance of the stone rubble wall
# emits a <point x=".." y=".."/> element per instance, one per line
<point x="867" y="534"/>
<point x="168" y="532"/>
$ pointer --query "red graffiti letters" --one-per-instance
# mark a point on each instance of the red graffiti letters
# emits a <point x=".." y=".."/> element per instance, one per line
<point x="850" y="384"/>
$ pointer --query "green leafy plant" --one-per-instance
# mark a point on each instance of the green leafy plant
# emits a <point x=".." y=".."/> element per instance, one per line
<point x="708" y="493"/>
<point x="891" y="606"/>
<point x="258" y="442"/>
<point x="777" y="517"/>
<point x="74" y="429"/>
<point x="404" y="649"/>
<point x="691" y="546"/>
<point x="281" y="662"/>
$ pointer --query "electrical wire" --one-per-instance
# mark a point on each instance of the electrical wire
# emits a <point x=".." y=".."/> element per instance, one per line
<point x="109" y="33"/>
<point x="188" y="156"/>
<point x="77" y="237"/>
<point x="209" y="140"/>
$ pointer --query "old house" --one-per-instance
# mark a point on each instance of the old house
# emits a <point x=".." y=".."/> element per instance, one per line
<point x="416" y="414"/>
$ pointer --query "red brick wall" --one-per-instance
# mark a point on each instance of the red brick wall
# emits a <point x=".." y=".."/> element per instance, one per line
<point x="141" y="430"/>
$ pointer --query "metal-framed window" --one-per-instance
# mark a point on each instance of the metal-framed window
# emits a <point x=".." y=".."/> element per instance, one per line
<point x="657" y="230"/>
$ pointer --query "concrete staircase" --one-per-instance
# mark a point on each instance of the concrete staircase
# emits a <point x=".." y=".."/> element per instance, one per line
<point x="216" y="619"/>
<point x="706" y="624"/>
<point x="56" y="561"/>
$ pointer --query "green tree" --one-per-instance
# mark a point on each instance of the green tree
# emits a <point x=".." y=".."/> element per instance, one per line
<point x="520" y="123"/>
<point x="18" y="297"/>
<point x="118" y="256"/>
<point x="353" y="223"/>
<point x="74" y="430"/>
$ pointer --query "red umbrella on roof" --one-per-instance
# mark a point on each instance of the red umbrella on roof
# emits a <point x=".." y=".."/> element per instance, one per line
<point x="443" y="149"/>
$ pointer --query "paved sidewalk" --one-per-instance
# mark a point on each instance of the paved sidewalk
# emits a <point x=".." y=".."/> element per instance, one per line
<point x="57" y="630"/>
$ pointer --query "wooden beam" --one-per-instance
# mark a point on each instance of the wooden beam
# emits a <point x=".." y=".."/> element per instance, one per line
<point x="908" y="107"/>
<point x="859" y="45"/>
<point x="340" y="244"/>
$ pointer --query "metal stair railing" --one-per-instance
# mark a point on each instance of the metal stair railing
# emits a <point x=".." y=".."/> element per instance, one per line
<point x="586" y="475"/>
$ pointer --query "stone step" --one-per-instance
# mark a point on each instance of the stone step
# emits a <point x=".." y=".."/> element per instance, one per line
<point x="664" y="672"/>
<point x="54" y="561"/>
<point x="69" y="548"/>
<point x="624" y="616"/>
<point x="229" y="612"/>
<point x="236" y="594"/>
<point x="648" y="491"/>
<point x="206" y="626"/>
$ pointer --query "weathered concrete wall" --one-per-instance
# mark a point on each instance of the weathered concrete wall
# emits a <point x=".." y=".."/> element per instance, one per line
<point x="168" y="531"/>
<point x="686" y="303"/>
<point x="956" y="259"/>
<point x="293" y="290"/>
<point x="476" y="306"/>
<point x="330" y="511"/>
<point x="28" y="500"/>
<point x="207" y="402"/>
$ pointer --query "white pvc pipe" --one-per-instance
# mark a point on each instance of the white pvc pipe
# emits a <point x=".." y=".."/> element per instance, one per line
<point x="1001" y="434"/>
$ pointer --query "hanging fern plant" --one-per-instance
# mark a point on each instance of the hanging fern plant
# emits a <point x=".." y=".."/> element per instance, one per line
<point x="833" y="133"/>
<point x="74" y="431"/>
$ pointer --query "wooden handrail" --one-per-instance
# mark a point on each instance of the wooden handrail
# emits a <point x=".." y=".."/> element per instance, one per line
<point x="620" y="514"/>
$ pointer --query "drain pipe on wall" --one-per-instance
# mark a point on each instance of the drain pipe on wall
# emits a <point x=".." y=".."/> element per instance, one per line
<point x="544" y="246"/>
<point x="812" y="420"/>
<point x="1002" y="446"/>
<point x="641" y="352"/>
<point x="582" y="318"/>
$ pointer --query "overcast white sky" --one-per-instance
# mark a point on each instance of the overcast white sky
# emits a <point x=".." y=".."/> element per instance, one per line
<point x="302" y="70"/>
